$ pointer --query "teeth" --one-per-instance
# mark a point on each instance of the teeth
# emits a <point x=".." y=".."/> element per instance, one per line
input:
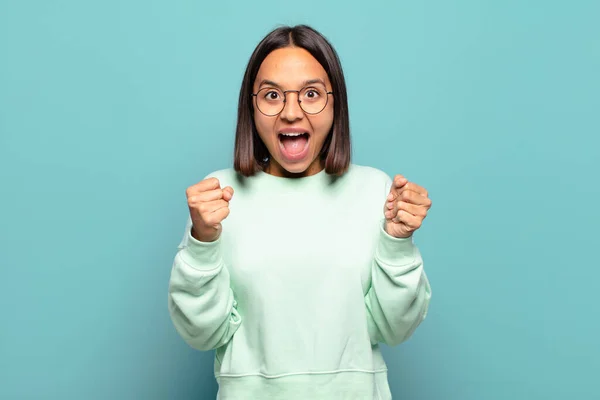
<point x="292" y="134"/>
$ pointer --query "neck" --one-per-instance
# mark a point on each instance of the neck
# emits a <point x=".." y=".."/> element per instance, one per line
<point x="273" y="168"/>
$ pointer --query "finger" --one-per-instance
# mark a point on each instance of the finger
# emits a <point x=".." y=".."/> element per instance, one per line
<point x="397" y="183"/>
<point x="416" y="188"/>
<point x="217" y="216"/>
<point x="408" y="219"/>
<point x="228" y="193"/>
<point x="209" y="195"/>
<point x="210" y="207"/>
<point x="204" y="185"/>
<point x="416" y="210"/>
<point x="412" y="197"/>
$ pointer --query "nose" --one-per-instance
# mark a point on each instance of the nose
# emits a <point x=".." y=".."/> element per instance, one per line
<point x="291" y="108"/>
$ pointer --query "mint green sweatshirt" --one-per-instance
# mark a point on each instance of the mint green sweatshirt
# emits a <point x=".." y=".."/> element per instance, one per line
<point x="300" y="288"/>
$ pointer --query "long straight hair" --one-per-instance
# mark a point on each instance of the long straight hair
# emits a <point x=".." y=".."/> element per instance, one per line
<point x="250" y="153"/>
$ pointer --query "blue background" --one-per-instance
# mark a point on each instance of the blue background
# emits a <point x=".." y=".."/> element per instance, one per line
<point x="109" y="110"/>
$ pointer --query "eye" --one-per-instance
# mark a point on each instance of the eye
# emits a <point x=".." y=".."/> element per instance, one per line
<point x="272" y="95"/>
<point x="311" y="94"/>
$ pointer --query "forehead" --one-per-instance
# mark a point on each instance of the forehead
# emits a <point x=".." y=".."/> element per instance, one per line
<point x="290" y="67"/>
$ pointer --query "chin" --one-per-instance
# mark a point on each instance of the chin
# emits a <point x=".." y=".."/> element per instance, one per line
<point x="294" y="168"/>
<point x="297" y="169"/>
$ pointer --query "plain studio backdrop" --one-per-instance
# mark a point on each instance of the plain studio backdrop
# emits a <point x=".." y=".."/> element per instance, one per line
<point x="109" y="110"/>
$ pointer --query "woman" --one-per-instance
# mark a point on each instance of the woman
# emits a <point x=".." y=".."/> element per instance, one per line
<point x="296" y="264"/>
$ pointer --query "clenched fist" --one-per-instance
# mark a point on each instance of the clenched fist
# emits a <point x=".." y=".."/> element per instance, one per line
<point x="406" y="207"/>
<point x="209" y="205"/>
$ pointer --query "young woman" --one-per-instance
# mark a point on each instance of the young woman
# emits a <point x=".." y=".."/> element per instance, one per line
<point x="295" y="263"/>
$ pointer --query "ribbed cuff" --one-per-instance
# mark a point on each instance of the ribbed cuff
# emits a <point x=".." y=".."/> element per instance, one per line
<point x="202" y="255"/>
<point x="393" y="250"/>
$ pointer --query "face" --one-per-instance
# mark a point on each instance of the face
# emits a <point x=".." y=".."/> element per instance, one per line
<point x="294" y="138"/>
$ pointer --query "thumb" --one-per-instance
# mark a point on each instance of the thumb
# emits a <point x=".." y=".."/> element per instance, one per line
<point x="227" y="193"/>
<point x="397" y="183"/>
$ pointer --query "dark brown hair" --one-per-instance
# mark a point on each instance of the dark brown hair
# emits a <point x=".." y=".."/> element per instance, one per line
<point x="251" y="154"/>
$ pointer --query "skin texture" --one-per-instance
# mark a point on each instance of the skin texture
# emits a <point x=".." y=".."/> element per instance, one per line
<point x="406" y="207"/>
<point x="290" y="67"/>
<point x="208" y="204"/>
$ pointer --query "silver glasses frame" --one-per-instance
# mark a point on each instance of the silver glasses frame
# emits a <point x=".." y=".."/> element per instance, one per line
<point x="285" y="92"/>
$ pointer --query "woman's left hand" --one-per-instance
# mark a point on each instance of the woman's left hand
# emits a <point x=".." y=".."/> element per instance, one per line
<point x="406" y="207"/>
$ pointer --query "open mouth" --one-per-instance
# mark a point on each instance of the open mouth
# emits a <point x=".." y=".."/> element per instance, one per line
<point x="293" y="144"/>
<point x="293" y="135"/>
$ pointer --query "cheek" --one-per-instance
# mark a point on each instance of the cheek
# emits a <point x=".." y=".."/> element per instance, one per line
<point x="324" y="123"/>
<point x="263" y="126"/>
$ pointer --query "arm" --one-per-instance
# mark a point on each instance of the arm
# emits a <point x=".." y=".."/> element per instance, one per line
<point x="201" y="302"/>
<point x="398" y="299"/>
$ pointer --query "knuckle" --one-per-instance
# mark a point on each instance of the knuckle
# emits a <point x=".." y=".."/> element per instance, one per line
<point x="399" y="207"/>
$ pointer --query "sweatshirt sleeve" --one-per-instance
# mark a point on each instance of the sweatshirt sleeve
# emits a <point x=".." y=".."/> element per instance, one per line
<point x="398" y="299"/>
<point x="201" y="302"/>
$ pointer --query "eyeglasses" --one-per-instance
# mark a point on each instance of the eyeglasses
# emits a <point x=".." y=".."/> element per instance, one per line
<point x="312" y="99"/>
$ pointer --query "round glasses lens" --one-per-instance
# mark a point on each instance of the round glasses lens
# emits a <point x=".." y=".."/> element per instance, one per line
<point x="313" y="99"/>
<point x="270" y="101"/>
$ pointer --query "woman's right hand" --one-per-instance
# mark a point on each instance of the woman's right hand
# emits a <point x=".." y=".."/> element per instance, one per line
<point x="209" y="205"/>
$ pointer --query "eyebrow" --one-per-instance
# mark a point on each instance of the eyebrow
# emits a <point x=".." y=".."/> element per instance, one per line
<point x="305" y="83"/>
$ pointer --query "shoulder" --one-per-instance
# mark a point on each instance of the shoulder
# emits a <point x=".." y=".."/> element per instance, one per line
<point x="221" y="173"/>
<point x="368" y="173"/>
<point x="226" y="176"/>
<point x="369" y="184"/>
<point x="370" y="180"/>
